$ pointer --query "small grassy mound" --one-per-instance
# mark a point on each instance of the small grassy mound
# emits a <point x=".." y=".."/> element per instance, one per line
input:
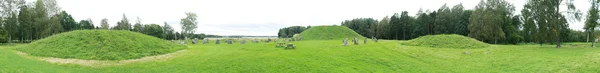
<point x="447" y="41"/>
<point x="329" y="33"/>
<point x="100" y="45"/>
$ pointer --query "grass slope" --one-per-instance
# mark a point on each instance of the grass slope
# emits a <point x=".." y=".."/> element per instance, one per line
<point x="100" y="45"/>
<point x="447" y="41"/>
<point x="327" y="56"/>
<point x="329" y="33"/>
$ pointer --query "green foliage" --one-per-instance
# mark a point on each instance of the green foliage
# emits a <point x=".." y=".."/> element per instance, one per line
<point x="362" y="26"/>
<point x="383" y="28"/>
<point x="104" y="24"/>
<point x="189" y="24"/>
<point x="86" y="24"/>
<point x="329" y="33"/>
<point x="68" y="23"/>
<point x="488" y="20"/>
<point x="168" y="32"/>
<point x="25" y="21"/>
<point x="592" y="20"/>
<point x="550" y="21"/>
<point x="123" y="24"/>
<point x="154" y="30"/>
<point x="447" y="41"/>
<point x="289" y="32"/>
<point x="100" y="45"/>
<point x="138" y="27"/>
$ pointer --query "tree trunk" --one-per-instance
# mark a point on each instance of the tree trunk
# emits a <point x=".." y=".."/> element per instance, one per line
<point x="557" y="41"/>
<point x="10" y="39"/>
<point x="396" y="37"/>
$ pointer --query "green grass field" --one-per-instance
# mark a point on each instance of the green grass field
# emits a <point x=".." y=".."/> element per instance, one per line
<point x="330" y="56"/>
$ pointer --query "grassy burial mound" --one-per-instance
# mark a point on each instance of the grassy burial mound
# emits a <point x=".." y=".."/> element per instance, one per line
<point x="329" y="33"/>
<point x="100" y="45"/>
<point x="447" y="41"/>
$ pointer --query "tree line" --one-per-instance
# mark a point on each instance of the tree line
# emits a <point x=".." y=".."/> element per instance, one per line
<point x="491" y="21"/>
<point x="24" y="22"/>
<point x="288" y="32"/>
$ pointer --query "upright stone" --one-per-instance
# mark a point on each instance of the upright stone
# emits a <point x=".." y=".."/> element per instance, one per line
<point x="243" y="42"/>
<point x="345" y="42"/>
<point x="375" y="39"/>
<point x="355" y="41"/>
<point x="205" y="41"/>
<point x="179" y="42"/>
<point x="365" y="40"/>
<point x="195" y="40"/>
<point x="229" y="41"/>
<point x="186" y="40"/>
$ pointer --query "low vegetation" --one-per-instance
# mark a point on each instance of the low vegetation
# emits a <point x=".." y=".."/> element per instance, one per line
<point x="329" y="33"/>
<point x="100" y="45"/>
<point x="329" y="56"/>
<point x="446" y="41"/>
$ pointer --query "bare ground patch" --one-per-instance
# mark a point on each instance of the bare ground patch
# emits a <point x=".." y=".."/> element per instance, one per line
<point x="104" y="63"/>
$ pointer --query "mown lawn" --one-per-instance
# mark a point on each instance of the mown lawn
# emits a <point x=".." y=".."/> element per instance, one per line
<point x="330" y="56"/>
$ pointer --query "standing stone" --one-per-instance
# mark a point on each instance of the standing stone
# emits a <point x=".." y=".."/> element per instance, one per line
<point x="355" y="41"/>
<point x="229" y="41"/>
<point x="375" y="39"/>
<point x="345" y="42"/>
<point x="173" y="41"/>
<point x="195" y="40"/>
<point x="243" y="42"/>
<point x="179" y="42"/>
<point x="186" y="40"/>
<point x="290" y="40"/>
<point x="284" y="40"/>
<point x="365" y="40"/>
<point x="205" y="41"/>
<point x="218" y="41"/>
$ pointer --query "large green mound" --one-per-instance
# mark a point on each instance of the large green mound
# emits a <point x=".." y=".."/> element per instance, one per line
<point x="447" y="41"/>
<point x="329" y="33"/>
<point x="100" y="45"/>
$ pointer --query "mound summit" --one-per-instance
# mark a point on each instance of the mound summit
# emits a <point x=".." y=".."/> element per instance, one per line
<point x="329" y="33"/>
<point x="100" y="45"/>
<point x="447" y="41"/>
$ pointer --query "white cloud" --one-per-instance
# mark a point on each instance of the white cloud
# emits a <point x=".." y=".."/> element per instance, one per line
<point x="257" y="17"/>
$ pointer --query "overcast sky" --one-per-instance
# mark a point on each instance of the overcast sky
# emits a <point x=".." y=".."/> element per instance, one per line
<point x="258" y="17"/>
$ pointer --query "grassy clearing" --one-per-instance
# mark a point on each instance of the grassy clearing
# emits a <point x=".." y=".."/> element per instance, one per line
<point x="100" y="45"/>
<point x="329" y="33"/>
<point x="447" y="41"/>
<point x="331" y="56"/>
